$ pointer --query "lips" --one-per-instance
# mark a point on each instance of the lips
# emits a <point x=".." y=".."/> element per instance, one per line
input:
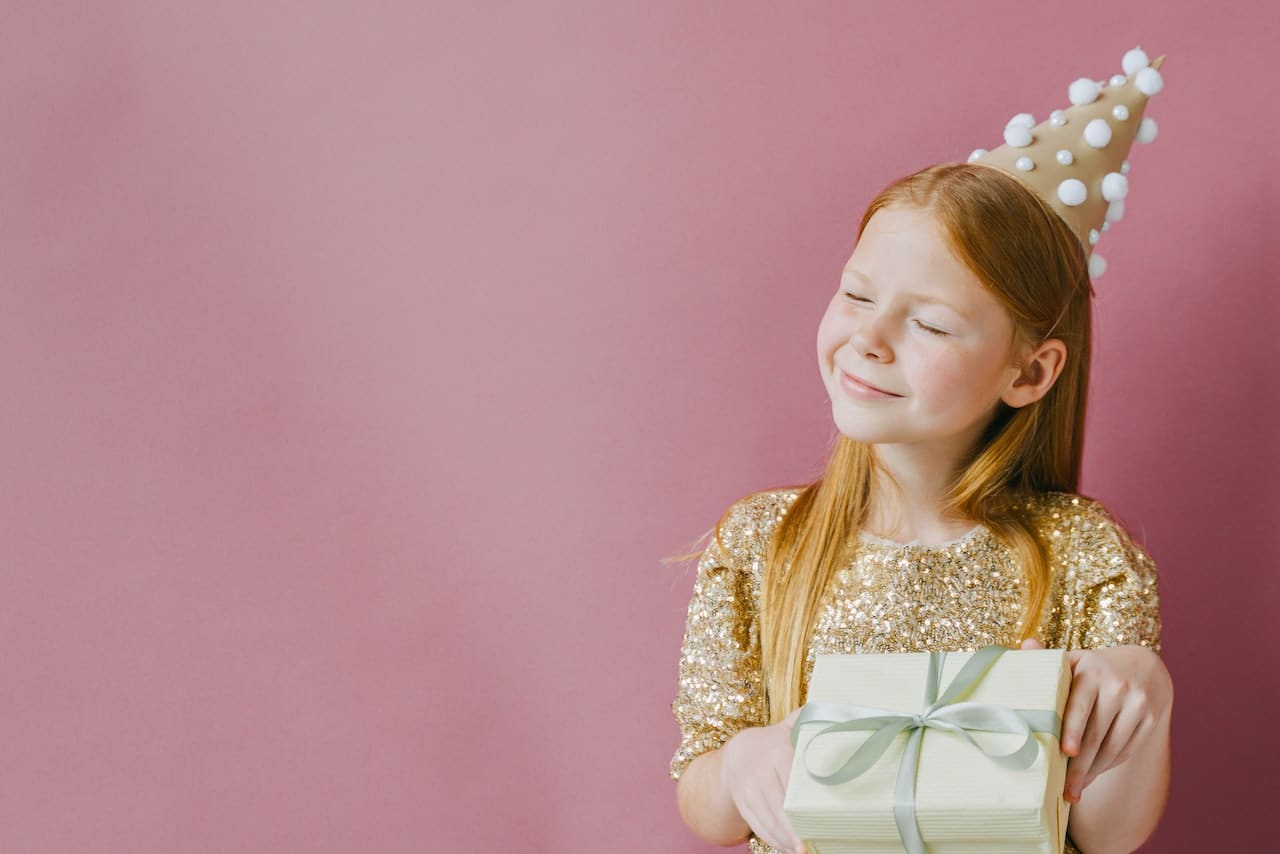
<point x="859" y="384"/>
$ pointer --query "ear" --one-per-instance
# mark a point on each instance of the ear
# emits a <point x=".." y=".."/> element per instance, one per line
<point x="1040" y="370"/>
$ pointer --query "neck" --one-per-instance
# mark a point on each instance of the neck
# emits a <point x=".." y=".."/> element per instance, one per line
<point x="910" y="490"/>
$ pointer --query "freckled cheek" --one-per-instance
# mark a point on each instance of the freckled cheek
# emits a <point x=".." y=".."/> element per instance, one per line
<point x="946" y="378"/>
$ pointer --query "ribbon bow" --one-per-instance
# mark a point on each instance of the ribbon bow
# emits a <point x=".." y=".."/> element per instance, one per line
<point x="944" y="713"/>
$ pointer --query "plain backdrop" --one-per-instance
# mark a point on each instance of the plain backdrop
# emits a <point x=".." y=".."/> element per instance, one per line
<point x="362" y="361"/>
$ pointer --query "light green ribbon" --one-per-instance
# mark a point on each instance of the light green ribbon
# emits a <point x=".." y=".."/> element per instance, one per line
<point x="944" y="713"/>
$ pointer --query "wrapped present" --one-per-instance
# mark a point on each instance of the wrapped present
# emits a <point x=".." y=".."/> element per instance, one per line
<point x="932" y="752"/>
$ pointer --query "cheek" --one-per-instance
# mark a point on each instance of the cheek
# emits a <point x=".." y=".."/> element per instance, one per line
<point x="959" y="378"/>
<point x="828" y="340"/>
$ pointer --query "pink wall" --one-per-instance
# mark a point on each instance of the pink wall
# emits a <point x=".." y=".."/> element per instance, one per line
<point x="362" y="361"/>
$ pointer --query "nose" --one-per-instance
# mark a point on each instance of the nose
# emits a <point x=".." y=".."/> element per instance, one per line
<point x="869" y="338"/>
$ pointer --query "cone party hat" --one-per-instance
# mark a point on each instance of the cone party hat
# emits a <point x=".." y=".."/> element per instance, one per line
<point x="1077" y="159"/>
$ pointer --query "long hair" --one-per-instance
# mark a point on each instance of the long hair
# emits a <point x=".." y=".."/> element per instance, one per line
<point x="1033" y="263"/>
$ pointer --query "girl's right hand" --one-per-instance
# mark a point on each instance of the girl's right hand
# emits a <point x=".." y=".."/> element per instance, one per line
<point x="755" y="771"/>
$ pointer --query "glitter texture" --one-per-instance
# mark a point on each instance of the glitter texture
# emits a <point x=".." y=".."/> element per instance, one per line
<point x="960" y="595"/>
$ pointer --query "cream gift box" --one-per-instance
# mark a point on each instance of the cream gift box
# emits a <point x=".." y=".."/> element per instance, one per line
<point x="957" y="798"/>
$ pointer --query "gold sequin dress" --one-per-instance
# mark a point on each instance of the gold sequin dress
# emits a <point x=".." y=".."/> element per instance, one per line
<point x="892" y="597"/>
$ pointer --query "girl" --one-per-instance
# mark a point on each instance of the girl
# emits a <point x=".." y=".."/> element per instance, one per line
<point x="956" y="356"/>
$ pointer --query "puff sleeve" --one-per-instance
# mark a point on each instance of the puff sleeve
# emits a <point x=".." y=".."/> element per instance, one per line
<point x="720" y="688"/>
<point x="1115" y="594"/>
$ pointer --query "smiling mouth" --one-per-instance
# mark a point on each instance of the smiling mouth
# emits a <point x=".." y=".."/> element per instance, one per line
<point x="863" y="388"/>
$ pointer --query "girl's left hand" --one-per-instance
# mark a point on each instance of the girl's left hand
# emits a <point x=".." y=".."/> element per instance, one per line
<point x="1118" y="696"/>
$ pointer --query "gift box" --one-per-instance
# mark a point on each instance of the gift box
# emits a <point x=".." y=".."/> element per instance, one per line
<point x="932" y="752"/>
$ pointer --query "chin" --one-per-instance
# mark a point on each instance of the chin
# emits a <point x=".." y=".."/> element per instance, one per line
<point x="864" y="430"/>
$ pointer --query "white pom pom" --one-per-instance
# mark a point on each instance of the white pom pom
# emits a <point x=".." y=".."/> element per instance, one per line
<point x="1121" y="112"/>
<point x="1118" y="80"/>
<point x="1057" y="118"/>
<point x="1148" y="81"/>
<point x="1093" y="236"/>
<point x="1025" y="119"/>
<point x="1115" y="211"/>
<point x="1024" y="164"/>
<point x="977" y="152"/>
<point x="1097" y="133"/>
<point x="1017" y="136"/>
<point x="1124" y="167"/>
<point x="1097" y="266"/>
<point x="1065" y="157"/>
<point x="1134" y="61"/>
<point x="1148" y="130"/>
<point x="1083" y="91"/>
<point x="1072" y="192"/>
<point x="1114" y="186"/>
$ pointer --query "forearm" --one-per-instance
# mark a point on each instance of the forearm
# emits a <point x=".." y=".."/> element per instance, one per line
<point x="705" y="804"/>
<point x="1123" y="805"/>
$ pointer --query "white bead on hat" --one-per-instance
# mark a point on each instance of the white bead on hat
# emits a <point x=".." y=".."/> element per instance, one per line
<point x="1076" y="160"/>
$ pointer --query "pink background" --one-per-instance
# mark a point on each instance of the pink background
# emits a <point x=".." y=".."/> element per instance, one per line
<point x="363" y="360"/>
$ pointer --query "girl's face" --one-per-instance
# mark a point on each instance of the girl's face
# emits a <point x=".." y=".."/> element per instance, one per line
<point x="913" y="348"/>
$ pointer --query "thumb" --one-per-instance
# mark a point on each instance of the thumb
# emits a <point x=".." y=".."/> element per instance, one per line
<point x="1031" y="643"/>
<point x="788" y="723"/>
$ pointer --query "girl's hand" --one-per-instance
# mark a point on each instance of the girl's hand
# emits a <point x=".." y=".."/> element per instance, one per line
<point x="755" y="771"/>
<point x="1118" y="696"/>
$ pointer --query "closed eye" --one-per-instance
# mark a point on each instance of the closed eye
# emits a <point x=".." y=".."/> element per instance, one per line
<point x="932" y="329"/>
<point x="855" y="297"/>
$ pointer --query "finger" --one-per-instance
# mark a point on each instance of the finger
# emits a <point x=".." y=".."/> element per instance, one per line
<point x="789" y="722"/>
<point x="755" y="809"/>
<point x="1075" y="717"/>
<point x="776" y="821"/>
<point x="1126" y="733"/>
<point x="780" y="818"/>
<point x="1095" y="731"/>
<point x="782" y="821"/>
<point x="748" y="808"/>
<point x="1032" y="643"/>
<point x="784" y="776"/>
<point x="796" y="845"/>
<point x="1075" y="722"/>
<point x="755" y="814"/>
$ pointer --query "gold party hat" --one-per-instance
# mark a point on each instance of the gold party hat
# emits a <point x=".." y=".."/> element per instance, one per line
<point x="1076" y="160"/>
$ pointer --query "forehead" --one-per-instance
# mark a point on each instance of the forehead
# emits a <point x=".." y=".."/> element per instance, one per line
<point x="905" y="251"/>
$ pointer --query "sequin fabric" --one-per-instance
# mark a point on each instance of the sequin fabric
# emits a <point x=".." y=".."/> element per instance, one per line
<point x="893" y="597"/>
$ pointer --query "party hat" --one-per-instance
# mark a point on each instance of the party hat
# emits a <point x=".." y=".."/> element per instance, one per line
<point x="1076" y="160"/>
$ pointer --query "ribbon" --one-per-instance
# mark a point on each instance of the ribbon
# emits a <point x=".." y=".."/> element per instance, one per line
<point x="944" y="713"/>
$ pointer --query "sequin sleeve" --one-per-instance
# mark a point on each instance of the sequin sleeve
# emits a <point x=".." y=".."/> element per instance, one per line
<point x="1115" y="598"/>
<point x="720" y="689"/>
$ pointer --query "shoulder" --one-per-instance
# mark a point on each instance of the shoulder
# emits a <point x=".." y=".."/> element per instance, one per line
<point x="1065" y="511"/>
<point x="744" y="529"/>
<point x="1086" y="537"/>
<point x="1110" y="591"/>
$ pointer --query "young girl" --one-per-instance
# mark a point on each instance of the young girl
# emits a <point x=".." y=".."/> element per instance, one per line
<point x="956" y="355"/>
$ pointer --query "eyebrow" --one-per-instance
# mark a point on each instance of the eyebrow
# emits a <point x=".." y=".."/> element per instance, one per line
<point x="912" y="295"/>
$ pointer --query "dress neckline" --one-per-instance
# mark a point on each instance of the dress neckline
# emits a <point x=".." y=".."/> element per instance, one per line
<point x="971" y="534"/>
